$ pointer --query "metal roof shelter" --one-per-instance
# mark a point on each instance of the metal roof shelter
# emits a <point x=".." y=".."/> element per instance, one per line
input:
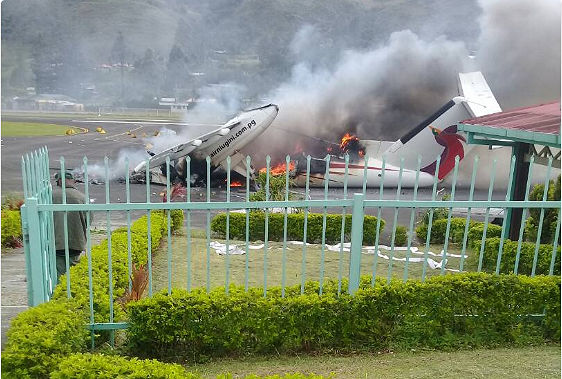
<point x="522" y="129"/>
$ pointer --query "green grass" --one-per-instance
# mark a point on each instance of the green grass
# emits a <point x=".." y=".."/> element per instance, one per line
<point x="163" y="114"/>
<point x="30" y="129"/>
<point x="523" y="362"/>
<point x="294" y="257"/>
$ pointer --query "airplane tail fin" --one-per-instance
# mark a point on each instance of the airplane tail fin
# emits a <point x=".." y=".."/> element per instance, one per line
<point x="438" y="135"/>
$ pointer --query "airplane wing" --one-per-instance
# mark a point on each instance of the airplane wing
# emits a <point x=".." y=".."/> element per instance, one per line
<point x="184" y="149"/>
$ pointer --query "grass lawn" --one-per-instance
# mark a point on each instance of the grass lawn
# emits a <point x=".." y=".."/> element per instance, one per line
<point x="30" y="129"/>
<point x="162" y="114"/>
<point x="274" y="256"/>
<point x="523" y="362"/>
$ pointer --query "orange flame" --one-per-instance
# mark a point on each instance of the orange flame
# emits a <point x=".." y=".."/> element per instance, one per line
<point x="236" y="184"/>
<point x="278" y="169"/>
<point x="349" y="143"/>
<point x="346" y="139"/>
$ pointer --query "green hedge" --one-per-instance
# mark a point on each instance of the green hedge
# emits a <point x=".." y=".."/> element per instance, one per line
<point x="11" y="228"/>
<point x="39" y="338"/>
<point x="79" y="280"/>
<point x="509" y="253"/>
<point x="456" y="231"/>
<point x="295" y="227"/>
<point x="475" y="234"/>
<point x="99" y="366"/>
<point x="111" y="366"/>
<point x="444" y="312"/>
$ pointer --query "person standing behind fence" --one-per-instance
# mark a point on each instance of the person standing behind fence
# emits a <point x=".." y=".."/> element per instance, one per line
<point x="76" y="224"/>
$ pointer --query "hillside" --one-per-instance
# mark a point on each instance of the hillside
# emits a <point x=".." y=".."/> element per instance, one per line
<point x="59" y="45"/>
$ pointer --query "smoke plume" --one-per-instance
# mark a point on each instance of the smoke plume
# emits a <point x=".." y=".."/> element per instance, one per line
<point x="383" y="92"/>
<point x="520" y="50"/>
<point x="377" y="94"/>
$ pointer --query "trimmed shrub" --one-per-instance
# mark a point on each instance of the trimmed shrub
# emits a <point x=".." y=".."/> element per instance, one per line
<point x="111" y="366"/>
<point x="475" y="234"/>
<point x="295" y="227"/>
<point x="11" y="228"/>
<point x="41" y="336"/>
<point x="401" y="236"/>
<point x="456" y="231"/>
<point x="56" y="329"/>
<point x="85" y="366"/>
<point x="177" y="219"/>
<point x="473" y="309"/>
<point x="526" y="257"/>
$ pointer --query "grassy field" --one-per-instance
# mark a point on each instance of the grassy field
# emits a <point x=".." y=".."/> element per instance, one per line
<point x="524" y="362"/>
<point x="30" y="129"/>
<point x="149" y="115"/>
<point x="274" y="258"/>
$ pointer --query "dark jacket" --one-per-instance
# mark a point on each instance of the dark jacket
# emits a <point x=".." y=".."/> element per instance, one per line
<point x="76" y="220"/>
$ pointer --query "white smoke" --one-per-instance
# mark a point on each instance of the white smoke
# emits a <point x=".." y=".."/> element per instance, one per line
<point x="520" y="50"/>
<point x="117" y="168"/>
<point x="215" y="106"/>
<point x="216" y="103"/>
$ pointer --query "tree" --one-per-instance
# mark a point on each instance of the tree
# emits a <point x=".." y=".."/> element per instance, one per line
<point x="147" y="78"/>
<point x="177" y="70"/>
<point x="118" y="55"/>
<point x="45" y="60"/>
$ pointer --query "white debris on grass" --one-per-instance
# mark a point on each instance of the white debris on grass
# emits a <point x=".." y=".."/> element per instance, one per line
<point x="220" y="249"/>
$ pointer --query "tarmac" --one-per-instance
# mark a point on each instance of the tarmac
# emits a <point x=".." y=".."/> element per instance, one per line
<point x="14" y="287"/>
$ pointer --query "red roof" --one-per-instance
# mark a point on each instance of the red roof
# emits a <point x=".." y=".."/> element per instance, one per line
<point x="542" y="118"/>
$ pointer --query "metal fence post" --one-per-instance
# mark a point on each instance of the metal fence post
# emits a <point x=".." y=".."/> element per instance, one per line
<point x="37" y="287"/>
<point x="356" y="242"/>
<point x="25" y="239"/>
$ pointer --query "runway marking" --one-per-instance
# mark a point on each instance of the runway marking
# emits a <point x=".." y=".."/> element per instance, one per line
<point x="118" y="134"/>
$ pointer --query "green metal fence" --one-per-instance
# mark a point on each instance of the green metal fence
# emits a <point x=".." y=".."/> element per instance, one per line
<point x="352" y="260"/>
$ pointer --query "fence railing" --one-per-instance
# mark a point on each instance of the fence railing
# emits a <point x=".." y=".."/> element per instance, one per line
<point x="187" y="260"/>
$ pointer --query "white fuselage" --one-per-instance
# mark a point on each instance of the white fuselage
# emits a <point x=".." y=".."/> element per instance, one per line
<point x="221" y="143"/>
<point x="250" y="125"/>
<point x="356" y="176"/>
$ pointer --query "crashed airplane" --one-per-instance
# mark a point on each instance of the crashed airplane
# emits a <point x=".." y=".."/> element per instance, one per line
<point x="435" y="136"/>
<point x="227" y="140"/>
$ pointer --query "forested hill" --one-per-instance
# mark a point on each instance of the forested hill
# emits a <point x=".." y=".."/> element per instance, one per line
<point x="172" y="47"/>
